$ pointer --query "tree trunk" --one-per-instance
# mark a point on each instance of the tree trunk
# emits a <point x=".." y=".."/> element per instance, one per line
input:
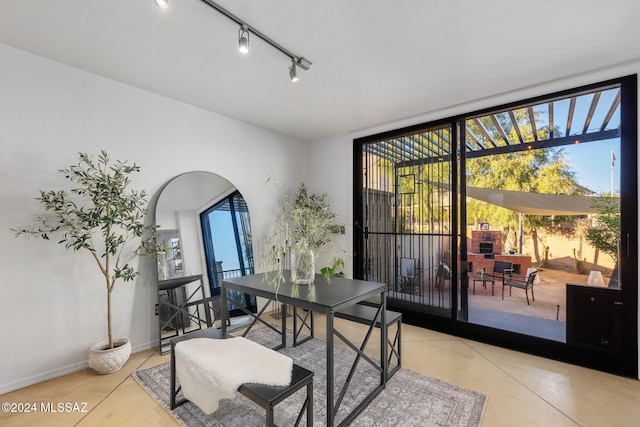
<point x="613" y="282"/>
<point x="536" y="250"/>
<point x="110" y="334"/>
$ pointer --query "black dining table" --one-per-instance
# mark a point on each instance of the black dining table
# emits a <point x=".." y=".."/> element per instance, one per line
<point x="320" y="297"/>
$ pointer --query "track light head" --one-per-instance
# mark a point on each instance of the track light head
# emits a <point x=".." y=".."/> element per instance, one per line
<point x="292" y="71"/>
<point x="243" y="39"/>
<point x="162" y="4"/>
<point x="303" y="63"/>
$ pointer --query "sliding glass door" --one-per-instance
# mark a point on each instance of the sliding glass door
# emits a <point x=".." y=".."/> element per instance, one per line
<point x="537" y="178"/>
<point x="455" y="217"/>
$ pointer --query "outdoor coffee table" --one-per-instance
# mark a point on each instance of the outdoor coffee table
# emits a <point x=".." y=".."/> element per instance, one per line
<point x="484" y="279"/>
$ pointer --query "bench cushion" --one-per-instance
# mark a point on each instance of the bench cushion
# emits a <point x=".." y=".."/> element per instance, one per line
<point x="212" y="369"/>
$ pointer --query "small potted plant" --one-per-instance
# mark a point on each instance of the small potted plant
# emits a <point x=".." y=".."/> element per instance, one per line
<point x="480" y="272"/>
<point x="105" y="218"/>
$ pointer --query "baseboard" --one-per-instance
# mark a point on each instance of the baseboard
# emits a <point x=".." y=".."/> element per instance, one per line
<point x="145" y="346"/>
<point x="44" y="376"/>
<point x="64" y="370"/>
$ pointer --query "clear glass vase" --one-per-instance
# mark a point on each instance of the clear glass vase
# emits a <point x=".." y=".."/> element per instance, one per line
<point x="302" y="265"/>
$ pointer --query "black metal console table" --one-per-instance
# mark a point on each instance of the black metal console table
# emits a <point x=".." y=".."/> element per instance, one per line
<point x="180" y="318"/>
<point x="326" y="298"/>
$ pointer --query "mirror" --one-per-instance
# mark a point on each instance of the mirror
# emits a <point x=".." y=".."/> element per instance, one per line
<point x="204" y="234"/>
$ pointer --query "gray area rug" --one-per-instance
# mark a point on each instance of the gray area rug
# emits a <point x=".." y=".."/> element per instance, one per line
<point x="409" y="399"/>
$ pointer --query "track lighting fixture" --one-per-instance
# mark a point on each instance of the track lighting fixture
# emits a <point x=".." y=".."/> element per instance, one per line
<point x="243" y="39"/>
<point x="292" y="71"/>
<point x="162" y="4"/>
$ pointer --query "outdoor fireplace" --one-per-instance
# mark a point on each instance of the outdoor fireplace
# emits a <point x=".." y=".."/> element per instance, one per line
<point x="486" y="243"/>
<point x="486" y="248"/>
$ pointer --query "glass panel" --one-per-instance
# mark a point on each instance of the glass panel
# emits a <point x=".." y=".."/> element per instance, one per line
<point x="228" y="250"/>
<point x="223" y="237"/>
<point x="532" y="208"/>
<point x="407" y="206"/>
<point x="241" y="213"/>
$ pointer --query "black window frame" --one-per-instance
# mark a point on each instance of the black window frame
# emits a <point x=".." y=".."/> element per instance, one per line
<point x="623" y="361"/>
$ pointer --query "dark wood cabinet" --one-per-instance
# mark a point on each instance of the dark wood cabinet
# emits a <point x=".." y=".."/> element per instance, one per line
<point x="594" y="318"/>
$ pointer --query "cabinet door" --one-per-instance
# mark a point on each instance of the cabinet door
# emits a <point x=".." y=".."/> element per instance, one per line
<point x="594" y="317"/>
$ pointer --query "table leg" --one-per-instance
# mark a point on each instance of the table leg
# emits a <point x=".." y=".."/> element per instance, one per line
<point x="225" y="313"/>
<point x="284" y="325"/>
<point x="330" y="372"/>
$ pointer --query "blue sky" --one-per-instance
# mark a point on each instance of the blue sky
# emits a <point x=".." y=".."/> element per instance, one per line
<point x="591" y="161"/>
<point x="224" y="241"/>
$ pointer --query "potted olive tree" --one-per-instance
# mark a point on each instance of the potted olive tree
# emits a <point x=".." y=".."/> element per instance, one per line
<point x="102" y="216"/>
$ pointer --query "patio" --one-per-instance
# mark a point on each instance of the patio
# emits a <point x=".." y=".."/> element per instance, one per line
<point x="545" y="317"/>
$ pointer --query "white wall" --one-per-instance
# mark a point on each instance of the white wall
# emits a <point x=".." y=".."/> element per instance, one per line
<point x="331" y="159"/>
<point x="53" y="301"/>
<point x="190" y="238"/>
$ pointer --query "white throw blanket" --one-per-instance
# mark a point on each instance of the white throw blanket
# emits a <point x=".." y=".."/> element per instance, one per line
<point x="212" y="369"/>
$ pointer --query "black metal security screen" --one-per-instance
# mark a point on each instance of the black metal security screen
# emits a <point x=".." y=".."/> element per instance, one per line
<point x="407" y="228"/>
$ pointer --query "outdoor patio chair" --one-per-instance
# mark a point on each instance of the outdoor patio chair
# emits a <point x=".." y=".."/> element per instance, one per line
<point x="501" y="269"/>
<point x="409" y="276"/>
<point x="443" y="273"/>
<point x="525" y="284"/>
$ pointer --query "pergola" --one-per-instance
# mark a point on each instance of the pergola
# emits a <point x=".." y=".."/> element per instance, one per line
<point x="579" y="118"/>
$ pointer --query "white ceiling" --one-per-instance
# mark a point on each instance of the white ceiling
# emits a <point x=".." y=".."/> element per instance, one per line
<point x="374" y="61"/>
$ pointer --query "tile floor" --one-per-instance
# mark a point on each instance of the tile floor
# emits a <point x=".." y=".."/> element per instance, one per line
<point x="523" y="390"/>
